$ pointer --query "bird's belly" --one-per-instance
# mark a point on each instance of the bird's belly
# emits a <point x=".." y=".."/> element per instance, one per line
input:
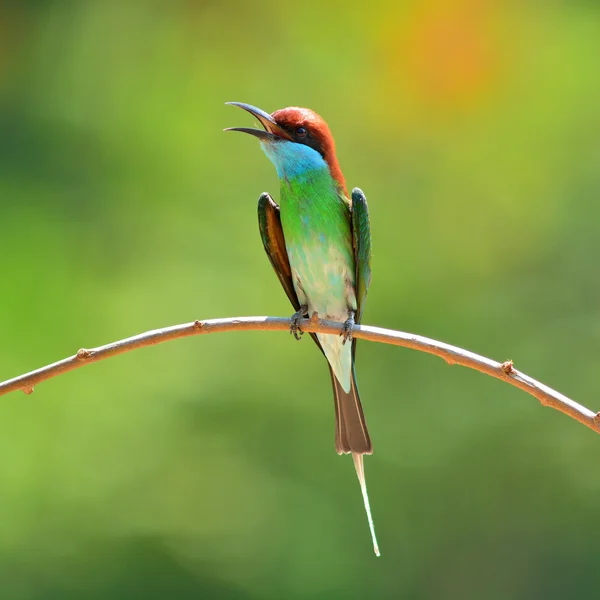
<point x="323" y="280"/>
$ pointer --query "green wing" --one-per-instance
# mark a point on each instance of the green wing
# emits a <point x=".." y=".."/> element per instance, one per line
<point x="361" y="237"/>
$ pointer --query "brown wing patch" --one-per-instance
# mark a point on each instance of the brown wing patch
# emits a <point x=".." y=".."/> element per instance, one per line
<point x="273" y="239"/>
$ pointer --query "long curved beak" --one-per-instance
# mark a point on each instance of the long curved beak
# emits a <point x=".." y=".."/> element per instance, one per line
<point x="272" y="129"/>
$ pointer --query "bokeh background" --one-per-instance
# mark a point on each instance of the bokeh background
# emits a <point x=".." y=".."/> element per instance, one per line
<point x="205" y="468"/>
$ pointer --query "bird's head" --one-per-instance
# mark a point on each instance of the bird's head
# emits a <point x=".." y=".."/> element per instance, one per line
<point x="296" y="140"/>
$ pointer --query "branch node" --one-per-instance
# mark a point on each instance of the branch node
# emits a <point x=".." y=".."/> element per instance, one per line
<point x="507" y="367"/>
<point x="449" y="360"/>
<point x="82" y="354"/>
<point x="198" y="324"/>
<point x="314" y="318"/>
<point x="28" y="390"/>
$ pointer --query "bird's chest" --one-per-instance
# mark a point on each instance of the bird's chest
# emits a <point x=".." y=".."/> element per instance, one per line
<point x="319" y="246"/>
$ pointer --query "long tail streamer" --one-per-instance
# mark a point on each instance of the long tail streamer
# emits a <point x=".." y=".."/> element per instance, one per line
<point x="360" y="472"/>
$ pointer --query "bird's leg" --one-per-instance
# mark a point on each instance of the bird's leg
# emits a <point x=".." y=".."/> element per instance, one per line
<point x="295" y="321"/>
<point x="346" y="332"/>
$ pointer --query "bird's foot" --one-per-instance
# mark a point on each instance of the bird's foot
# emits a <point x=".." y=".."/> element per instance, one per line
<point x="295" y="321"/>
<point x="346" y="332"/>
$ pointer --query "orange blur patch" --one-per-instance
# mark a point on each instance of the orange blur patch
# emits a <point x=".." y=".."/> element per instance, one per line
<point x="447" y="53"/>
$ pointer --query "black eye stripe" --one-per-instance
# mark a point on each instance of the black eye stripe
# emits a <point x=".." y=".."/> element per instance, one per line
<point x="301" y="135"/>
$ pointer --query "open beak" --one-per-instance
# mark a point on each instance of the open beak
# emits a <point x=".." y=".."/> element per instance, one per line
<point x="272" y="129"/>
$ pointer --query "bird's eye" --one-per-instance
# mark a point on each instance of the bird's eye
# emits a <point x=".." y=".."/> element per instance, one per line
<point x="301" y="132"/>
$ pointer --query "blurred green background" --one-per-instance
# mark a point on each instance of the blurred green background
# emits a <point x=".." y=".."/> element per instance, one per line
<point x="205" y="468"/>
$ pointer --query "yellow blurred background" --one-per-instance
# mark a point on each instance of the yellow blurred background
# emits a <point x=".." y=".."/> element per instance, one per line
<point x="205" y="468"/>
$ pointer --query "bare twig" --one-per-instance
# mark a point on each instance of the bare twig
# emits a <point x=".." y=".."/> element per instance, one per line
<point x="451" y="354"/>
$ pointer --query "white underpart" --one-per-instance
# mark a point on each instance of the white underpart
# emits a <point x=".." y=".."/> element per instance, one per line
<point x="320" y="275"/>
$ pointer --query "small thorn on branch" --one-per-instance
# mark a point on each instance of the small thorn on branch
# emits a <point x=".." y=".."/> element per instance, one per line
<point x="507" y="367"/>
<point x="449" y="360"/>
<point x="597" y="418"/>
<point x="314" y="318"/>
<point x="82" y="354"/>
<point x="198" y="324"/>
<point x="28" y="390"/>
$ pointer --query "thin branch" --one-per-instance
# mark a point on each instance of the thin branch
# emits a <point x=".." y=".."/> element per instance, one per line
<point x="451" y="354"/>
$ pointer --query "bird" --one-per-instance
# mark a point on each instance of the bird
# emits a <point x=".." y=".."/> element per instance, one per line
<point x="318" y="241"/>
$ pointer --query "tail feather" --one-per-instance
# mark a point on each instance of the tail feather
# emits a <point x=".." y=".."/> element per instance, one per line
<point x="351" y="433"/>
<point x="352" y="436"/>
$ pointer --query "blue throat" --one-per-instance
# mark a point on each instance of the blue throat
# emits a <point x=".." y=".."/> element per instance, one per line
<point x="292" y="160"/>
